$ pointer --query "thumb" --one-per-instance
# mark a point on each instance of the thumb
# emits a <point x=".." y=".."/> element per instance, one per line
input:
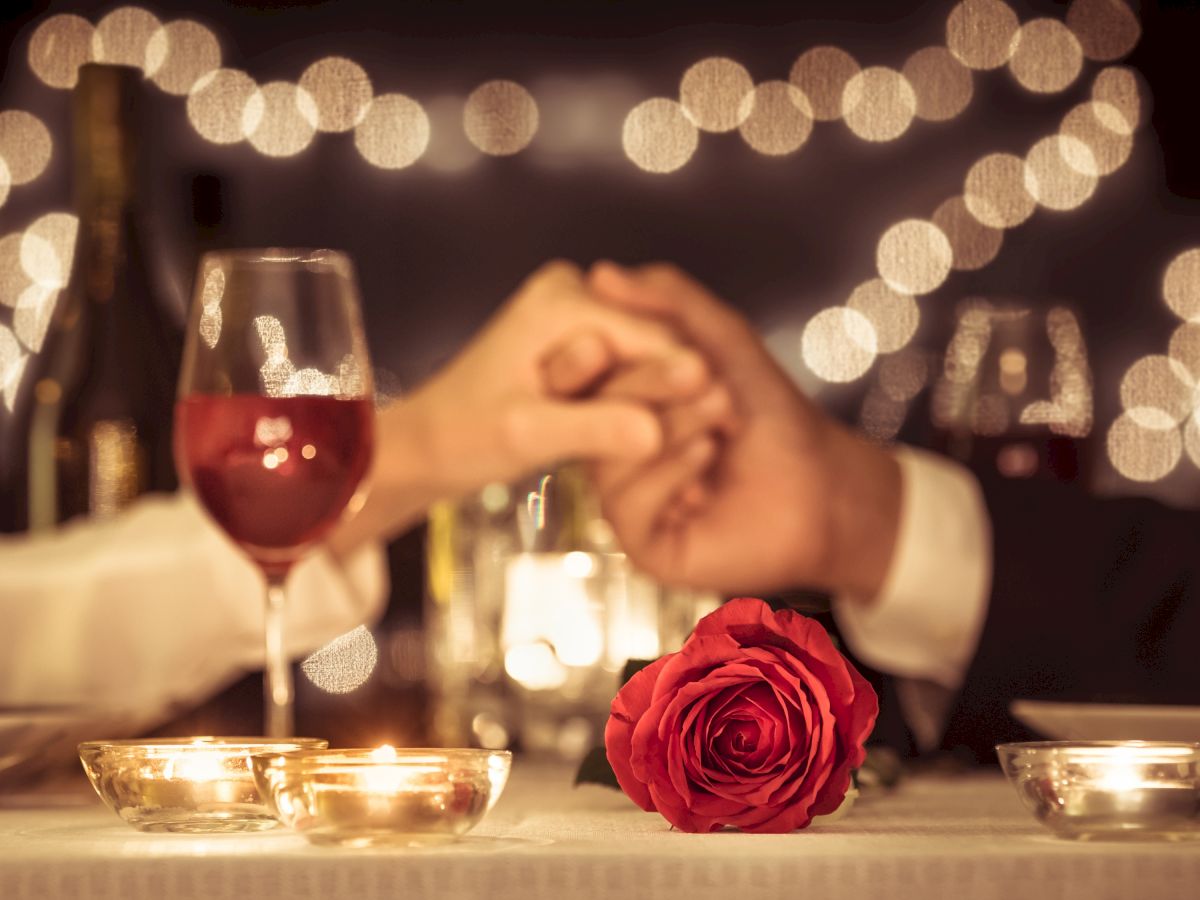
<point x="600" y="429"/>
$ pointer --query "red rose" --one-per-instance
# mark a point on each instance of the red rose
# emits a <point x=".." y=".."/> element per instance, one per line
<point x="756" y="723"/>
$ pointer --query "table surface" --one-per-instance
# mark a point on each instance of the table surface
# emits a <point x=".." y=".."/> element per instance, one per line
<point x="932" y="837"/>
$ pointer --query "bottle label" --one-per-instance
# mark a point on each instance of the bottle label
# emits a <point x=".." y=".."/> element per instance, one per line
<point x="115" y="467"/>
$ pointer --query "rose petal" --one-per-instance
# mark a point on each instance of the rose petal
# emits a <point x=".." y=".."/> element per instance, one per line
<point x="646" y="757"/>
<point x="695" y="659"/>
<point x="680" y="816"/>
<point x="628" y="708"/>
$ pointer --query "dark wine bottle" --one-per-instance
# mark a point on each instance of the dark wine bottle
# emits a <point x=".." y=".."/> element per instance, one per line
<point x="101" y="411"/>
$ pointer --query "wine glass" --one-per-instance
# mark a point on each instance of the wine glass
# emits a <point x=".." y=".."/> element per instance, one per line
<point x="274" y="418"/>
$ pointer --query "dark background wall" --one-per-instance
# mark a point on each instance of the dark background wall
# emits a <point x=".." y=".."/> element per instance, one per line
<point x="781" y="238"/>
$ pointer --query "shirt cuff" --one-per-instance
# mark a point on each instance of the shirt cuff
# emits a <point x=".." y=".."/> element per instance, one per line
<point x="926" y="621"/>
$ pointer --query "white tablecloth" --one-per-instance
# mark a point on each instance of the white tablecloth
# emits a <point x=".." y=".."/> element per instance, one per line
<point x="962" y="838"/>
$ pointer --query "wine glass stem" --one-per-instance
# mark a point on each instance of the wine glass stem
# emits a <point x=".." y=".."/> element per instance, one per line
<point x="277" y="680"/>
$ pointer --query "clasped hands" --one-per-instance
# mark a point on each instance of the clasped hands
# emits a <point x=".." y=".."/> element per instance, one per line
<point x="714" y="470"/>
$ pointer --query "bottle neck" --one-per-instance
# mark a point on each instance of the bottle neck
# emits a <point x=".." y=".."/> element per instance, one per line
<point x="106" y="128"/>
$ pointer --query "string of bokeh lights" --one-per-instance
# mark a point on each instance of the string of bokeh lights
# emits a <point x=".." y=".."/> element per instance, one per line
<point x="660" y="135"/>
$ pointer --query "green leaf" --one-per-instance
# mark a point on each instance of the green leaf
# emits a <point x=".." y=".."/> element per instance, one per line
<point x="595" y="770"/>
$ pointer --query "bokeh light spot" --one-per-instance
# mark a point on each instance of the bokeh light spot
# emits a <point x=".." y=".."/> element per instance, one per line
<point x="394" y="133"/>
<point x="32" y="315"/>
<point x="1097" y="125"/>
<point x="341" y="90"/>
<point x="579" y="119"/>
<point x="838" y="344"/>
<point x="449" y="150"/>
<point x="893" y="315"/>
<point x="217" y="103"/>
<point x="345" y="663"/>
<point x="1181" y="285"/>
<point x="1046" y="56"/>
<point x="1191" y="440"/>
<point x="995" y="191"/>
<point x="179" y="54"/>
<point x="48" y="249"/>
<point x="882" y="416"/>
<point x="1060" y="172"/>
<point x="822" y="74"/>
<point x="658" y="136"/>
<point x="13" y="279"/>
<point x="25" y="145"/>
<point x="279" y="119"/>
<point x="12" y="365"/>
<point x="122" y="36"/>
<point x="1142" y="453"/>
<point x="1118" y="87"/>
<point x="914" y="257"/>
<point x="1158" y="383"/>
<point x="1106" y="29"/>
<point x="713" y="92"/>
<point x="941" y="83"/>
<point x="59" y="46"/>
<point x="878" y="104"/>
<point x="1184" y="347"/>
<point x="980" y="33"/>
<point x="779" y="118"/>
<point x="5" y="181"/>
<point x="500" y="118"/>
<point x="903" y="375"/>
<point x="973" y="244"/>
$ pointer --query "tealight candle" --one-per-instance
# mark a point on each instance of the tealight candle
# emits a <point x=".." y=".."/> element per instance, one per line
<point x="1109" y="789"/>
<point x="363" y="798"/>
<point x="192" y="785"/>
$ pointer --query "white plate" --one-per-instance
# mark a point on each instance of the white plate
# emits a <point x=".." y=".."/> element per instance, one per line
<point x="1109" y="721"/>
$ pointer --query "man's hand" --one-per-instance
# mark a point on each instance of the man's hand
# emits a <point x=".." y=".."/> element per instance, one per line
<point x="522" y="395"/>
<point x="787" y="498"/>
<point x="492" y="413"/>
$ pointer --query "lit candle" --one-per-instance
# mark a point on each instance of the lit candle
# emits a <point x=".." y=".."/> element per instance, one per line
<point x="383" y="796"/>
<point x="184" y="784"/>
<point x="1108" y="789"/>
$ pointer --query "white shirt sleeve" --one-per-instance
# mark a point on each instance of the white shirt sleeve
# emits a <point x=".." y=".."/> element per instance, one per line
<point x="925" y="623"/>
<point x="156" y="609"/>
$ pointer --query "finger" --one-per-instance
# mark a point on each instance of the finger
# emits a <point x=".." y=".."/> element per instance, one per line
<point x="631" y="336"/>
<point x="695" y="496"/>
<point x="636" y="511"/>
<point x="542" y="432"/>
<point x="711" y="412"/>
<point x="678" y="376"/>
<point x="577" y="364"/>
<point x="556" y="298"/>
<point x="664" y="291"/>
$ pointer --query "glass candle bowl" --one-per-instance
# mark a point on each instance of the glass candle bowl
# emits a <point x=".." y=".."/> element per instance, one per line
<point x="382" y="797"/>
<point x="192" y="785"/>
<point x="1108" y="790"/>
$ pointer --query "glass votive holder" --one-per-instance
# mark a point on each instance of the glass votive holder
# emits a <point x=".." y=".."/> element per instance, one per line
<point x="382" y="797"/>
<point x="1108" y="790"/>
<point x="199" y="785"/>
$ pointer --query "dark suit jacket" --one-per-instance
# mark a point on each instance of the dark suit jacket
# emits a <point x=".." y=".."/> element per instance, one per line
<point x="1092" y="599"/>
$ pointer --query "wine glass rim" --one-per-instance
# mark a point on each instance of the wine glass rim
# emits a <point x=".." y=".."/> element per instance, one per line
<point x="279" y="255"/>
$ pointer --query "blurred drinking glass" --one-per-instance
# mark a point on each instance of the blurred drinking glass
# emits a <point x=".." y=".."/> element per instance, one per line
<point x="1014" y="396"/>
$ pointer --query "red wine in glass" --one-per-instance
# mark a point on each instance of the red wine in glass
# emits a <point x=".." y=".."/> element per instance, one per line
<point x="275" y="472"/>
